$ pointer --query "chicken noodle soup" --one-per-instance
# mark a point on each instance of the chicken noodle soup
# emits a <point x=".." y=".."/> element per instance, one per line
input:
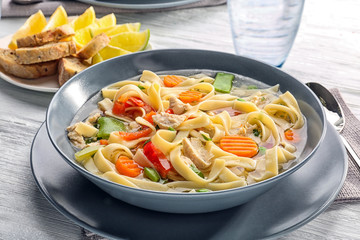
<point x="189" y="133"/>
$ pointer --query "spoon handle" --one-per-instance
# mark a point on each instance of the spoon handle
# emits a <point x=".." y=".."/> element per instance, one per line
<point x="351" y="151"/>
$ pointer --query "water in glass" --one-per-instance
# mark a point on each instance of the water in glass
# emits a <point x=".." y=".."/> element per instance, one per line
<point x="265" y="29"/>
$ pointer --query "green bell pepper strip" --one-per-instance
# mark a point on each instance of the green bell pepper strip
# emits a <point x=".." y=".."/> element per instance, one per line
<point x="86" y="153"/>
<point x="108" y="125"/>
<point x="223" y="82"/>
<point x="152" y="174"/>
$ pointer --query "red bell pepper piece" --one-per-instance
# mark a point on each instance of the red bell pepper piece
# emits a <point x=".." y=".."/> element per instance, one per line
<point x="158" y="159"/>
<point x="129" y="136"/>
<point x="134" y="102"/>
<point x="122" y="104"/>
<point x="118" y="108"/>
<point x="169" y="111"/>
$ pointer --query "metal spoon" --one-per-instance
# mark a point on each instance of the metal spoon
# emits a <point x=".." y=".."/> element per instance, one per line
<point x="334" y="114"/>
<point x="25" y="2"/>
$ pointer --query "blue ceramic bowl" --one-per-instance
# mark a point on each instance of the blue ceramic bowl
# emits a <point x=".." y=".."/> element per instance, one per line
<point x="81" y="93"/>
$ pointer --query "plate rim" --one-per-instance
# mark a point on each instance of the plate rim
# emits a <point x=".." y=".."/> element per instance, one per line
<point x="9" y="79"/>
<point x="139" y="6"/>
<point x="85" y="225"/>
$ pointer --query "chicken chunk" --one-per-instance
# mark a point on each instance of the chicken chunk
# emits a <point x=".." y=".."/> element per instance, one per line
<point x="75" y="138"/>
<point x="91" y="120"/>
<point x="197" y="153"/>
<point x="178" y="106"/>
<point x="247" y="129"/>
<point x="166" y="120"/>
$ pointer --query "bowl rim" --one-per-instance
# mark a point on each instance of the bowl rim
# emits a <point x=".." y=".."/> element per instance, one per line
<point x="82" y="170"/>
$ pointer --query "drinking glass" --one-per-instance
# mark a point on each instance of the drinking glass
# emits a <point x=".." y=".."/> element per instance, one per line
<point x="265" y="29"/>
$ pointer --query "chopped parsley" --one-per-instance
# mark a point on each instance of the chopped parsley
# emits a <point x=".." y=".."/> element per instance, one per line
<point x="262" y="150"/>
<point x="146" y="142"/>
<point x="90" y="140"/>
<point x="197" y="171"/>
<point x="206" y="138"/>
<point x="256" y="132"/>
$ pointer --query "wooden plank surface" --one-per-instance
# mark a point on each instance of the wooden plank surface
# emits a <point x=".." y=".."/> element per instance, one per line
<point x="327" y="50"/>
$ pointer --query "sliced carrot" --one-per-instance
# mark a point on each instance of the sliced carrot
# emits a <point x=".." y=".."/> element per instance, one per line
<point x="289" y="134"/>
<point x="239" y="145"/>
<point x="148" y="117"/>
<point x="127" y="167"/>
<point x="292" y="135"/>
<point x="172" y="80"/>
<point x="128" y="136"/>
<point x="190" y="96"/>
<point x="104" y="142"/>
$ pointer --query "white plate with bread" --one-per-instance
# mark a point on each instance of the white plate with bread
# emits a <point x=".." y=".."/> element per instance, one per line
<point x="42" y="84"/>
<point x="46" y="60"/>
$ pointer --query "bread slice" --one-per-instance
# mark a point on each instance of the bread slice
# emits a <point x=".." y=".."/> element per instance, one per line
<point x="9" y="65"/>
<point x="42" y="38"/>
<point x="47" y="52"/>
<point x="68" y="67"/>
<point x="95" y="45"/>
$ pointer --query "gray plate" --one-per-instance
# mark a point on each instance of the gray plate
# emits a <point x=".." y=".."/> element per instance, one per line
<point x="139" y="4"/>
<point x="289" y="205"/>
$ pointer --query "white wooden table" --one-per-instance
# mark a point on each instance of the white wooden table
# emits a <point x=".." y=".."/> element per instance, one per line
<point x="327" y="50"/>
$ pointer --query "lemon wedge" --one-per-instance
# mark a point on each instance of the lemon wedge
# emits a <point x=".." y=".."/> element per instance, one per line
<point x="82" y="37"/>
<point x="114" y="30"/>
<point x="58" y="18"/>
<point x="34" y="24"/>
<point x="84" y="33"/>
<point x="96" y="59"/>
<point x="84" y="20"/>
<point x="107" y="53"/>
<point x="131" y="41"/>
<point x="106" y="21"/>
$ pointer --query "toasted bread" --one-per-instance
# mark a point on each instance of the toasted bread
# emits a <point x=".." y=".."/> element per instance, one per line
<point x="47" y="52"/>
<point x="42" y="38"/>
<point x="95" y="45"/>
<point x="9" y="65"/>
<point x="68" y="67"/>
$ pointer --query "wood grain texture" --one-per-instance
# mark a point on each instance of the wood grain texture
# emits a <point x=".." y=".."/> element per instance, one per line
<point x="327" y="50"/>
